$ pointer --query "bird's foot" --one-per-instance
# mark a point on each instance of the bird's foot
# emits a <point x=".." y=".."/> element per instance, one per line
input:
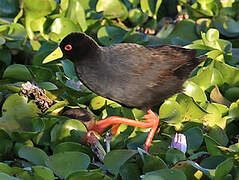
<point x="153" y="118"/>
<point x="151" y="121"/>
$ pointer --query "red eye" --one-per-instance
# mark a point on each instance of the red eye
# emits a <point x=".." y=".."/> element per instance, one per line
<point x="68" y="47"/>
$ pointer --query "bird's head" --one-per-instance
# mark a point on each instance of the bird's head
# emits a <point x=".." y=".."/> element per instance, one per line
<point x="74" y="47"/>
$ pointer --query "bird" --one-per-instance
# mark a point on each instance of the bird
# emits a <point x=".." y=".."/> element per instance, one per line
<point x="128" y="73"/>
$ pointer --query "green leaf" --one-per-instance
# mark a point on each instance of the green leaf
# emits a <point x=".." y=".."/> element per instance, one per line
<point x="62" y="131"/>
<point x="214" y="117"/>
<point x="4" y="168"/>
<point x="174" y="155"/>
<point x="135" y="37"/>
<point x="234" y="147"/>
<point x="89" y="4"/>
<point x="232" y="94"/>
<point x="2" y="40"/>
<point x="184" y="29"/>
<point x="76" y="13"/>
<point x="109" y="8"/>
<point x="219" y="135"/>
<point x="171" y="112"/>
<point x="223" y="169"/>
<point x="7" y="177"/>
<point x="152" y="163"/>
<point x="234" y="110"/>
<point x="226" y="25"/>
<point x="148" y="6"/>
<point x="136" y="16"/>
<point x="116" y="158"/>
<point x="16" y="32"/>
<point x="212" y="145"/>
<point x="193" y="90"/>
<point x="63" y="26"/>
<point x="17" y="113"/>
<point x="159" y="147"/>
<point x="193" y="112"/>
<point x="109" y="35"/>
<point x="39" y="8"/>
<point x="157" y="6"/>
<point x="19" y="145"/>
<point x="57" y="106"/>
<point x="164" y="174"/>
<point x="5" y="56"/>
<point x="8" y="8"/>
<point x="5" y="148"/>
<point x="212" y="162"/>
<point x="212" y="35"/>
<point x="43" y="173"/>
<point x="64" y="164"/>
<point x="98" y="102"/>
<point x="17" y="72"/>
<point x="69" y="69"/>
<point x="35" y="45"/>
<point x="72" y="146"/>
<point x="130" y="170"/>
<point x="204" y="77"/>
<point x="33" y="155"/>
<point x="46" y="48"/>
<point x="88" y="175"/>
<point x="213" y="74"/>
<point x="194" y="138"/>
<point x="47" y="86"/>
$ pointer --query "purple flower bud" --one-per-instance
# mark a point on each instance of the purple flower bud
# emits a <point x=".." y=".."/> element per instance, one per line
<point x="179" y="142"/>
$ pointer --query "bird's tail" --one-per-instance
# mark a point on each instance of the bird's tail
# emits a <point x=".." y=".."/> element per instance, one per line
<point x="185" y="69"/>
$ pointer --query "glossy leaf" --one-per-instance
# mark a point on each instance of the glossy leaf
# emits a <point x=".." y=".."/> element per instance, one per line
<point x="40" y="8"/>
<point x="64" y="164"/>
<point x="34" y="155"/>
<point x="223" y="169"/>
<point x="8" y="8"/>
<point x="174" y="155"/>
<point x="17" y="72"/>
<point x="193" y="90"/>
<point x="18" y="117"/>
<point x="109" y="35"/>
<point x="115" y="159"/>
<point x="7" y="177"/>
<point x="86" y="175"/>
<point x="63" y="26"/>
<point x="194" y="138"/>
<point x="62" y="131"/>
<point x="76" y="13"/>
<point x="130" y="171"/>
<point x="152" y="163"/>
<point x="148" y="7"/>
<point x="164" y="174"/>
<point x="171" y="112"/>
<point x="72" y="146"/>
<point x="109" y="6"/>
<point x="41" y="172"/>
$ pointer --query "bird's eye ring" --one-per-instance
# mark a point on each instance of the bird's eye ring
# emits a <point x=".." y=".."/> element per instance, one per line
<point x="68" y="47"/>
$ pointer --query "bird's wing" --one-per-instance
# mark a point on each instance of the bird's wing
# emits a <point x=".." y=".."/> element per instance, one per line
<point x="165" y="60"/>
<point x="139" y="76"/>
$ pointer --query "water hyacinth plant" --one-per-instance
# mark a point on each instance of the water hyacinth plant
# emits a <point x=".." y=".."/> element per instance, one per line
<point x="39" y="142"/>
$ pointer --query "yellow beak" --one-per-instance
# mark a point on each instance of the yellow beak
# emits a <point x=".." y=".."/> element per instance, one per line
<point x="53" y="56"/>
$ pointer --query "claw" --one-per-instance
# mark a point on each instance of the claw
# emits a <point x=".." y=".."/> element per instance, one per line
<point x="155" y="120"/>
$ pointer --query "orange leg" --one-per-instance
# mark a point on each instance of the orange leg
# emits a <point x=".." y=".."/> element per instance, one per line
<point x="115" y="128"/>
<point x="151" y="121"/>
